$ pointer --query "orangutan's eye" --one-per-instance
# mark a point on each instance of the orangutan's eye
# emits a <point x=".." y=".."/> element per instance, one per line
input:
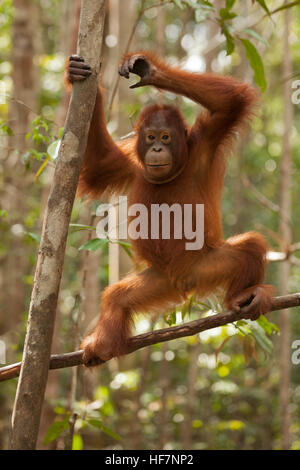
<point x="165" y="137"/>
<point x="150" y="138"/>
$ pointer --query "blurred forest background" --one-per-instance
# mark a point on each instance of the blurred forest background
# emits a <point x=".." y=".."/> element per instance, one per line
<point x="233" y="387"/>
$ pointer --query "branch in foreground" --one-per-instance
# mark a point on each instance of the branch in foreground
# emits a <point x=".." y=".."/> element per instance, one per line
<point x="60" y="361"/>
<point x="35" y="364"/>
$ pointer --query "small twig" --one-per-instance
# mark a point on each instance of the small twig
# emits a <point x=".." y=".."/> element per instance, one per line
<point x="295" y="247"/>
<point x="60" y="361"/>
<point x="157" y="5"/>
<point x="281" y="256"/>
<point x="70" y="434"/>
<point x="284" y="7"/>
<point x="22" y="103"/>
<point x="259" y="196"/>
<point x="126" y="50"/>
<point x="294" y="260"/>
<point x="116" y="84"/>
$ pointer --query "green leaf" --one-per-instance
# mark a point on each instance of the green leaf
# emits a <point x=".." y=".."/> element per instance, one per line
<point x="170" y="318"/>
<point x="256" y="36"/>
<point x="262" y="3"/>
<point x="229" y="4"/>
<point x="28" y="279"/>
<point x="187" y="307"/>
<point x="94" y="244"/>
<point x="256" y="64"/>
<point x="33" y="236"/>
<point x="126" y="247"/>
<point x="59" y="410"/>
<point x="7" y="130"/>
<point x="179" y="4"/>
<point x="3" y="213"/>
<point x="206" y="4"/>
<point x="201" y="15"/>
<point x="79" y="227"/>
<point x="77" y="443"/>
<point x="267" y="326"/>
<point x="191" y="3"/>
<point x="36" y="155"/>
<point x="98" y="424"/>
<point x="261" y="338"/>
<point x="25" y="157"/>
<point x="229" y="39"/>
<point x="226" y="14"/>
<point x="55" y="430"/>
<point x="45" y="126"/>
<point x="243" y="327"/>
<point x="205" y="305"/>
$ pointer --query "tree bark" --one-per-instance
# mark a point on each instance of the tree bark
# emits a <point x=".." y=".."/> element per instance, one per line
<point x="69" y="25"/>
<point x="35" y="365"/>
<point x="70" y="16"/>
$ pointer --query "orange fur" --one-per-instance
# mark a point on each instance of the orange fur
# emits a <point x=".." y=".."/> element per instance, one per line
<point x="237" y="265"/>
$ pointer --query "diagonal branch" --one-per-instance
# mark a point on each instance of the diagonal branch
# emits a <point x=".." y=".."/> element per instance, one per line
<point x="35" y="365"/>
<point x="60" y="361"/>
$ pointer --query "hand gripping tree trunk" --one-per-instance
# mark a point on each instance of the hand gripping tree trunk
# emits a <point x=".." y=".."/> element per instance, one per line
<point x="35" y="364"/>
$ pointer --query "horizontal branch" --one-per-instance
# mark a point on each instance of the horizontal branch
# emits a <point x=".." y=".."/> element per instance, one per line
<point x="60" y="361"/>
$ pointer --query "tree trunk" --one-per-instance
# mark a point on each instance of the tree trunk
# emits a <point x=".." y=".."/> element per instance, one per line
<point x="34" y="370"/>
<point x="70" y="15"/>
<point x="191" y="398"/>
<point x="164" y="385"/>
<point x="111" y="74"/>
<point x="127" y="18"/>
<point x="25" y="90"/>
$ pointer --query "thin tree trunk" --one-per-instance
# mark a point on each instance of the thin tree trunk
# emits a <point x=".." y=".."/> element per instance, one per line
<point x="137" y="435"/>
<point x="111" y="71"/>
<point x="285" y="235"/>
<point x="34" y="370"/>
<point x="191" y="396"/>
<point x="25" y="90"/>
<point x="163" y="365"/>
<point x="164" y="385"/>
<point x="127" y="18"/>
<point x="91" y="288"/>
<point x="70" y="15"/>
